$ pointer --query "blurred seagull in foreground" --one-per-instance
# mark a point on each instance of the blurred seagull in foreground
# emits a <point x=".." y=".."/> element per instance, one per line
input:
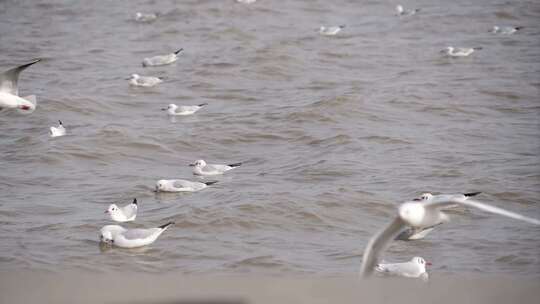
<point x="144" y="81"/>
<point x="331" y="30"/>
<point x="505" y="30"/>
<point x="459" y="52"/>
<point x="58" y="131"/>
<point x="180" y="185"/>
<point x="140" y="17"/>
<point x="422" y="214"/>
<point x="175" y="110"/>
<point x="200" y="167"/>
<point x="415" y="268"/>
<point x="9" y="92"/>
<point x="402" y="12"/>
<point x="130" y="238"/>
<point x="411" y="233"/>
<point x="127" y="213"/>
<point x="161" y="59"/>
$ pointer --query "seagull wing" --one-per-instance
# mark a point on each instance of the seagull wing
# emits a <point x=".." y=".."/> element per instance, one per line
<point x="444" y="201"/>
<point x="8" y="79"/>
<point x="129" y="210"/>
<point x="378" y="244"/>
<point x="140" y="234"/>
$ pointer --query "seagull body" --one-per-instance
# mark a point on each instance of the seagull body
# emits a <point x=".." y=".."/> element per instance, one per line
<point x="9" y="92"/>
<point x="415" y="268"/>
<point x="161" y="59"/>
<point x="200" y="167"/>
<point x="459" y="52"/>
<point x="411" y="233"/>
<point x="423" y="214"/>
<point x="505" y="30"/>
<point x="175" y="110"/>
<point x="180" y="185"/>
<point x="130" y="238"/>
<point x="58" y="131"/>
<point x="140" y="17"/>
<point x="127" y="213"/>
<point x="331" y="30"/>
<point x="144" y="81"/>
<point x="402" y="12"/>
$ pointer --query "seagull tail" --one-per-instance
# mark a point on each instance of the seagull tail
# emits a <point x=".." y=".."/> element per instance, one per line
<point x="210" y="183"/>
<point x="165" y="226"/>
<point x="235" y="165"/>
<point x="203" y="104"/>
<point x="134" y="201"/>
<point x="471" y="194"/>
<point x="176" y="53"/>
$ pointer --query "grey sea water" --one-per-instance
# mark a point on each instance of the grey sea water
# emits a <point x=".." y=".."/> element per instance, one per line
<point x="334" y="132"/>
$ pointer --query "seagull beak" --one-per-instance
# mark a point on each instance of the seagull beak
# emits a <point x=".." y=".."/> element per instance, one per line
<point x="163" y="109"/>
<point x="428" y="263"/>
<point x="106" y="211"/>
<point x="192" y="165"/>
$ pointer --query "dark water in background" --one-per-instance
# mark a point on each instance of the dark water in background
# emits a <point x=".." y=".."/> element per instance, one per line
<point x="334" y="133"/>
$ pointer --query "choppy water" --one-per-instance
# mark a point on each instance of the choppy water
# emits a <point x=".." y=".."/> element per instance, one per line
<point x="334" y="133"/>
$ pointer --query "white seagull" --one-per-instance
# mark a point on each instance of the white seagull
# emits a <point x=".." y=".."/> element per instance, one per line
<point x="331" y="30"/>
<point x="161" y="59"/>
<point x="58" y="131"/>
<point x="200" y="167"/>
<point x="144" y="81"/>
<point x="130" y="238"/>
<point x="180" y="185"/>
<point x="411" y="233"/>
<point x="459" y="52"/>
<point x="127" y="213"/>
<point x="422" y="214"/>
<point x="175" y="110"/>
<point x="402" y="12"/>
<point x="415" y="268"/>
<point x="505" y="30"/>
<point x="140" y="17"/>
<point x="9" y="92"/>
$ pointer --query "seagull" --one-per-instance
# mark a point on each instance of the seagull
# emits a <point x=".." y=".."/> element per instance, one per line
<point x="505" y="30"/>
<point x="200" y="167"/>
<point x="58" y="131"/>
<point x="459" y="52"/>
<point x="180" y="185"/>
<point x="127" y="213"/>
<point x="140" y="17"/>
<point x="144" y="81"/>
<point x="331" y="30"/>
<point x="175" y="110"/>
<point x="130" y="238"/>
<point x="402" y="12"/>
<point x="415" y="268"/>
<point x="411" y="233"/>
<point x="421" y="214"/>
<point x="9" y="92"/>
<point x="161" y="59"/>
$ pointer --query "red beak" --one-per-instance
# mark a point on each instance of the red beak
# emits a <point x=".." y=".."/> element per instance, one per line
<point x="106" y="211"/>
<point x="428" y="263"/>
<point x="25" y="108"/>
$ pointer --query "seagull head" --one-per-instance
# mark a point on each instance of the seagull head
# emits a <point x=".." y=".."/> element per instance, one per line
<point x="412" y="213"/>
<point x="399" y="9"/>
<point x="108" y="232"/>
<point x="133" y="76"/>
<point x="160" y="185"/>
<point x="447" y="50"/>
<point x="171" y="108"/>
<point x="26" y="106"/>
<point x="426" y="196"/>
<point x="198" y="163"/>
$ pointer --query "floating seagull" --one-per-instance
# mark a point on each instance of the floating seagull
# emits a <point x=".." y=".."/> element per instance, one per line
<point x="58" y="131"/>
<point x="127" y="213"/>
<point x="331" y="30"/>
<point x="459" y="52"/>
<point x="421" y="214"/>
<point x="180" y="185"/>
<point x="140" y="17"/>
<point x="200" y="167"/>
<point x="9" y="92"/>
<point x="505" y="30"/>
<point x="130" y="238"/>
<point x="161" y="59"/>
<point x="143" y="81"/>
<point x="402" y="12"/>
<point x="173" y="109"/>
<point x="412" y="233"/>
<point x="246" y="1"/>
<point x="415" y="268"/>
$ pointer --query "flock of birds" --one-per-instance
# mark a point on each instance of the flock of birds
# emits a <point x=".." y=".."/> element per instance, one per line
<point x="414" y="219"/>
